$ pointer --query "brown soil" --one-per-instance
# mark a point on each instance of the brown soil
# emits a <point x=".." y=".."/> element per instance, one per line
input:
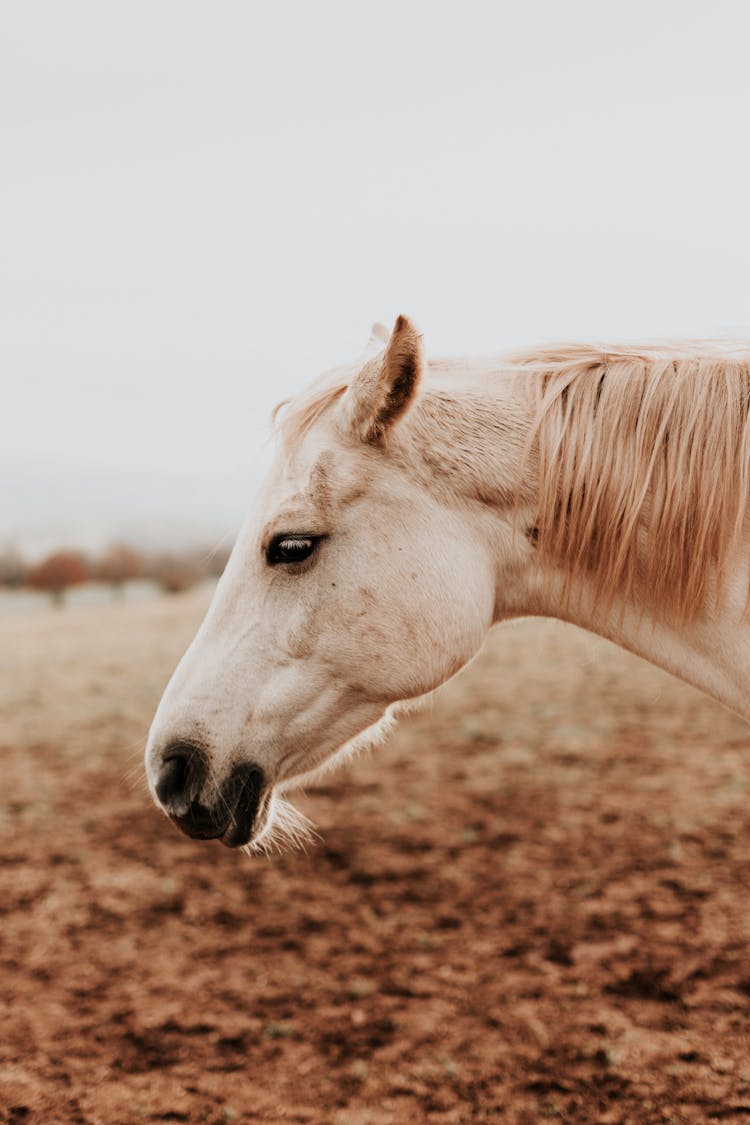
<point x="531" y="905"/>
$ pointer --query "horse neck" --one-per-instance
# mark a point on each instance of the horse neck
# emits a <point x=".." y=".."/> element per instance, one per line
<point x="484" y="412"/>
<point x="711" y="652"/>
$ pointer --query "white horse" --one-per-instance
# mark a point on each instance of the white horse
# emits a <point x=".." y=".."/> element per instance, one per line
<point x="413" y="505"/>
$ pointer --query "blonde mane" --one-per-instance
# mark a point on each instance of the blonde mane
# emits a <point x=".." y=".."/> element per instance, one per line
<point x="644" y="469"/>
<point x="643" y="457"/>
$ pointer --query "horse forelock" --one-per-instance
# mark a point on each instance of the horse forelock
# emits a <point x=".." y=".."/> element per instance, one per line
<point x="294" y="418"/>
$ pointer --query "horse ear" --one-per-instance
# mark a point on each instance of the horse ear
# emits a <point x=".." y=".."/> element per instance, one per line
<point x="379" y="337"/>
<point x="384" y="387"/>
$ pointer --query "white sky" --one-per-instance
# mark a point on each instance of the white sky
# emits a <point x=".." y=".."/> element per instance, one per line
<point x="202" y="205"/>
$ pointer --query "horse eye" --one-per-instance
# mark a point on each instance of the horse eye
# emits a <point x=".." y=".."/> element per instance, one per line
<point x="291" y="548"/>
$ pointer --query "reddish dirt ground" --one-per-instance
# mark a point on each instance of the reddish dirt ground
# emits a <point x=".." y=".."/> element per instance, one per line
<point x="532" y="905"/>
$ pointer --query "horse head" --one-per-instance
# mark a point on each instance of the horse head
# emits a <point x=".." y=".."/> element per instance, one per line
<point x="358" y="582"/>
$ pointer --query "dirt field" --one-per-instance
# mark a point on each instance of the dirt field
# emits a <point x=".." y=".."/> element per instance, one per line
<point x="532" y="905"/>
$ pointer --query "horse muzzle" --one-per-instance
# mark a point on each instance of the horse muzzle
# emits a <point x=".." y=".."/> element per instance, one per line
<point x="234" y="811"/>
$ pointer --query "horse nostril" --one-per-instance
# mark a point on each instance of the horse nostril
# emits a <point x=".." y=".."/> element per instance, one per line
<point x="181" y="777"/>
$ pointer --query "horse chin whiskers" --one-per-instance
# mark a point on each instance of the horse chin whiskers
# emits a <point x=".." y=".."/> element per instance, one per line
<point x="285" y="828"/>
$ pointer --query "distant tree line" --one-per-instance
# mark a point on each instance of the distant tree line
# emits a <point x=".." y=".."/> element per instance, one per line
<point x="119" y="563"/>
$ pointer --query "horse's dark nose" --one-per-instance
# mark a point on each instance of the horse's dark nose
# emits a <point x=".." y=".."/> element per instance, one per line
<point x="234" y="806"/>
<point x="183" y="771"/>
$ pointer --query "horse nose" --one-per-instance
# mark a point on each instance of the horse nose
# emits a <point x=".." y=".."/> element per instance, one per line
<point x="233" y="808"/>
<point x="181" y="776"/>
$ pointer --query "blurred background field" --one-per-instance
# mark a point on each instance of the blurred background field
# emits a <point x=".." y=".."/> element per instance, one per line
<point x="531" y="905"/>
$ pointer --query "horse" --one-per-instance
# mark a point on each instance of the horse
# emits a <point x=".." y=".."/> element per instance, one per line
<point x="414" y="504"/>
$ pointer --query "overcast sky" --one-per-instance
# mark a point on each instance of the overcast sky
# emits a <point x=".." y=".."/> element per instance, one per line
<point x="205" y="204"/>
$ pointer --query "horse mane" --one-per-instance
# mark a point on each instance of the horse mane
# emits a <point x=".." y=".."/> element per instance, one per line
<point x="643" y="461"/>
<point x="643" y="467"/>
